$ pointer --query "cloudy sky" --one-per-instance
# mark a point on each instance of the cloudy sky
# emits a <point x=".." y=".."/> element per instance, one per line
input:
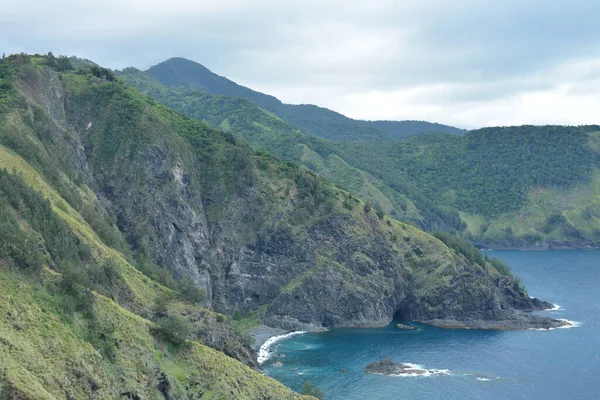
<point x="467" y="63"/>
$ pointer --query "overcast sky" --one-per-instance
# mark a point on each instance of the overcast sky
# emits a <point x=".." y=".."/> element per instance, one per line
<point x="462" y="62"/>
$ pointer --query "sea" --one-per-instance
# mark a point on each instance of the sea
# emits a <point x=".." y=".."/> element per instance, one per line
<point x="467" y="364"/>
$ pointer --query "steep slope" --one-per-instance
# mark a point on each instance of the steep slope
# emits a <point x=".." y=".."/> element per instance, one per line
<point x="268" y="132"/>
<point x="311" y="119"/>
<point x="77" y="319"/>
<point x="107" y="183"/>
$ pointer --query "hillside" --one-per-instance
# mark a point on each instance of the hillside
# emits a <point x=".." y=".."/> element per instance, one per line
<point x="318" y="121"/>
<point x="137" y="245"/>
<point x="513" y="187"/>
<point x="266" y="131"/>
<point x="527" y="186"/>
<point x="78" y="317"/>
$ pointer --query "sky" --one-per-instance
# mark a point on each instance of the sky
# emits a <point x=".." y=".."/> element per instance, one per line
<point x="463" y="62"/>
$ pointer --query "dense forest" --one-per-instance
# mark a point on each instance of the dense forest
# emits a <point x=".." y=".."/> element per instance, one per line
<point x="488" y="171"/>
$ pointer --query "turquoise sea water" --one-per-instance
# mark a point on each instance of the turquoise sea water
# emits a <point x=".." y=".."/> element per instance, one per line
<point x="556" y="364"/>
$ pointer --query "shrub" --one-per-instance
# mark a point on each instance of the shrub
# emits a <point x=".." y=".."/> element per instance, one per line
<point x="189" y="292"/>
<point x="175" y="329"/>
<point x="309" y="390"/>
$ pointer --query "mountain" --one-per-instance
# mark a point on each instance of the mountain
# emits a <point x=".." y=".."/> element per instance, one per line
<point x="266" y="131"/>
<point x="311" y="119"/>
<point x="137" y="246"/>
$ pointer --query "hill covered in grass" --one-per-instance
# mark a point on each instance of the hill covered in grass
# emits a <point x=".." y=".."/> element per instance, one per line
<point x="266" y="131"/>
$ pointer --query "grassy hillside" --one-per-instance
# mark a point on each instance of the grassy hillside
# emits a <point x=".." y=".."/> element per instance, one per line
<point x="61" y="334"/>
<point x="318" y="121"/>
<point x="493" y="177"/>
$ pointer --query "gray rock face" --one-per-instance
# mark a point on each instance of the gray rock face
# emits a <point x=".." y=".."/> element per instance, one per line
<point x="237" y="231"/>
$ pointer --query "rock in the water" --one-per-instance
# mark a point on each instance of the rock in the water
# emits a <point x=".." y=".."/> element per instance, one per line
<point x="406" y="327"/>
<point x="387" y="367"/>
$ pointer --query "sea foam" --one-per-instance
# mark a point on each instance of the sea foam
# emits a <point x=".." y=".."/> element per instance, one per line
<point x="265" y="352"/>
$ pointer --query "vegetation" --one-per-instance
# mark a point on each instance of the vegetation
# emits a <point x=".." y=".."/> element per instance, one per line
<point x="123" y="198"/>
<point x="489" y="171"/>
<point x="310" y="390"/>
<point x="318" y="121"/>
<point x="75" y="312"/>
<point x="493" y="177"/>
<point x="266" y="131"/>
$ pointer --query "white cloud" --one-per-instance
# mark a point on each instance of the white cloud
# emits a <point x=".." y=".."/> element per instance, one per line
<point x="464" y="62"/>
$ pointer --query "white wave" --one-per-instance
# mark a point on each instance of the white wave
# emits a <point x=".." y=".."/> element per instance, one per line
<point x="265" y="352"/>
<point x="555" y="307"/>
<point x="487" y="379"/>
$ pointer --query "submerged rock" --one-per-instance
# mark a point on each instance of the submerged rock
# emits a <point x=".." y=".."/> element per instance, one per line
<point x="406" y="327"/>
<point x="387" y="367"/>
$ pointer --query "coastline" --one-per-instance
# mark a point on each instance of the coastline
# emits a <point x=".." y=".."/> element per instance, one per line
<point x="265" y="351"/>
<point x="536" y="246"/>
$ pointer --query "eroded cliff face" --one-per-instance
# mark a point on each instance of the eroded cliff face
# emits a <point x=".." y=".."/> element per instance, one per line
<point x="260" y="236"/>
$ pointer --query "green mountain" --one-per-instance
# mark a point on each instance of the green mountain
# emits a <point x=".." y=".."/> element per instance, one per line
<point x="311" y="119"/>
<point x="525" y="186"/>
<point x="266" y="131"/>
<point x="137" y="246"/>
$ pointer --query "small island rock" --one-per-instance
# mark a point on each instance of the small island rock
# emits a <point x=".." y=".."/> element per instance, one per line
<point x="406" y="327"/>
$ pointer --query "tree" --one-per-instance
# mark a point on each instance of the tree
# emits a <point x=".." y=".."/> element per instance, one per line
<point x="175" y="329"/>
<point x="190" y="292"/>
<point x="309" y="390"/>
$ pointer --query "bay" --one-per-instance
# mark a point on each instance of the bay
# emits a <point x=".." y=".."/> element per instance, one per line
<point x="556" y="364"/>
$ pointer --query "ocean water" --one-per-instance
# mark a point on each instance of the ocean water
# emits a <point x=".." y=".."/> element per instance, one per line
<point x="556" y="364"/>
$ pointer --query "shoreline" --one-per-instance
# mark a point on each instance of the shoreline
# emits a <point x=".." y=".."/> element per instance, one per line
<point x="265" y="350"/>
<point x="534" y="248"/>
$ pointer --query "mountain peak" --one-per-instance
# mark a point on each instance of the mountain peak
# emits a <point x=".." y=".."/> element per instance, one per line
<point x="312" y="119"/>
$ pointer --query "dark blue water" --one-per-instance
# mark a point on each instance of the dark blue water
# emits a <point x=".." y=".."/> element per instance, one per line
<point x="556" y="364"/>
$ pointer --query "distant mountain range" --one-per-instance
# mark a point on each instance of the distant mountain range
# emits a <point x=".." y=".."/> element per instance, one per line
<point x="311" y="119"/>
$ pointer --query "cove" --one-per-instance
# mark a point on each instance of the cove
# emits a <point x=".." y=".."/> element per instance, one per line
<point x="556" y="364"/>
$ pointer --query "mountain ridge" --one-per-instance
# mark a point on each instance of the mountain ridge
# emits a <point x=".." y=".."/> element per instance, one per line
<point x="313" y="119"/>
